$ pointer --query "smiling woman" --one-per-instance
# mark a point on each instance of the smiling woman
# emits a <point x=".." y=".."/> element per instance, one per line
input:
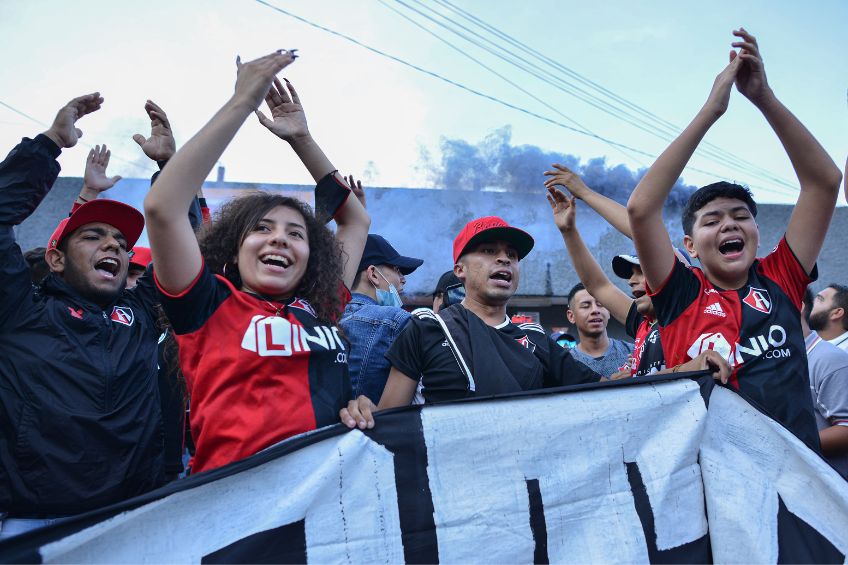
<point x="254" y="303"/>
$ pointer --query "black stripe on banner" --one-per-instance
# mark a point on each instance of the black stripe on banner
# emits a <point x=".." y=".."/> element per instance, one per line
<point x="798" y="542"/>
<point x="286" y="544"/>
<point x="415" y="501"/>
<point x="696" y="551"/>
<point x="537" y="523"/>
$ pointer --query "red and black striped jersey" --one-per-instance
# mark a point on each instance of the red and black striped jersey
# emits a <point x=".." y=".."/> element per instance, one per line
<point x="257" y="372"/>
<point x="757" y="328"/>
<point x="648" y="356"/>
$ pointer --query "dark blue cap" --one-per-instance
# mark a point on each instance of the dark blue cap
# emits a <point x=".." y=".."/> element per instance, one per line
<point x="378" y="251"/>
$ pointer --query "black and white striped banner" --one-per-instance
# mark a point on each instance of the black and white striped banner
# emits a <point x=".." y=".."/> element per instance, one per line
<point x="615" y="472"/>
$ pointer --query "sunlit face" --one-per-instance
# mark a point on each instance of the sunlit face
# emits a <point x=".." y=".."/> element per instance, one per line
<point x="822" y="307"/>
<point x="589" y="315"/>
<point x="94" y="262"/>
<point x="489" y="272"/>
<point x="725" y="238"/>
<point x="273" y="257"/>
<point x="636" y="282"/>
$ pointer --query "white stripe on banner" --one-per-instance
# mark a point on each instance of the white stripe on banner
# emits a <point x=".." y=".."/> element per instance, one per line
<point x="748" y="461"/>
<point x="608" y="473"/>
<point x="576" y="446"/>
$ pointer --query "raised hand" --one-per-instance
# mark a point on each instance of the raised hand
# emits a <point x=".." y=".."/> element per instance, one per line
<point x="356" y="187"/>
<point x="255" y="78"/>
<point x="160" y="146"/>
<point x="720" y="94"/>
<point x="95" y="178"/>
<point x="63" y="131"/>
<point x="288" y="120"/>
<point x="563" y="208"/>
<point x="751" y="79"/>
<point x="568" y="179"/>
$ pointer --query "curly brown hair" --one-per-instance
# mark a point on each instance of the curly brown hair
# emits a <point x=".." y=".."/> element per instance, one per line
<point x="221" y="239"/>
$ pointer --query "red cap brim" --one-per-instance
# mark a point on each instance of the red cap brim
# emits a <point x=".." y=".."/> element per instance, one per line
<point x="128" y="220"/>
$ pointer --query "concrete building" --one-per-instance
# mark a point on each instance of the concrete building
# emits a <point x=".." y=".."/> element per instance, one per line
<point x="423" y="222"/>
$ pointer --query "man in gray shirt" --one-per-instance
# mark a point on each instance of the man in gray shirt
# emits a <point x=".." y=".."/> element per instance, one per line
<point x="606" y="356"/>
<point x="829" y="387"/>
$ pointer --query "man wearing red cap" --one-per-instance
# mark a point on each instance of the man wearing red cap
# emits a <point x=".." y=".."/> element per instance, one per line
<point x="472" y="349"/>
<point x="80" y="423"/>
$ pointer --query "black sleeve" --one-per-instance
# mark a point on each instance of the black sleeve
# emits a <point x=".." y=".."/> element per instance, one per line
<point x="676" y="294"/>
<point x="190" y="309"/>
<point x="330" y="194"/>
<point x="26" y="176"/>
<point x="405" y="353"/>
<point x="560" y="367"/>
<point x="633" y="321"/>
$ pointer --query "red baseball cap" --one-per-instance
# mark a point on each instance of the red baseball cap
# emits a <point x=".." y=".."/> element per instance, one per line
<point x="491" y="228"/>
<point x="140" y="256"/>
<point x="128" y="220"/>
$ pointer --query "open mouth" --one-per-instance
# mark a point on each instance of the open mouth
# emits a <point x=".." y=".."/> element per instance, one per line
<point x="275" y="261"/>
<point x="505" y="277"/>
<point x="107" y="267"/>
<point x="731" y="246"/>
<point x="638" y="293"/>
<point x="596" y="321"/>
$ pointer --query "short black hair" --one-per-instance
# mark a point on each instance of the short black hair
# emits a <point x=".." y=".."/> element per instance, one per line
<point x="707" y="194"/>
<point x="808" y="304"/>
<point x="38" y="268"/>
<point x="574" y="290"/>
<point x="840" y="300"/>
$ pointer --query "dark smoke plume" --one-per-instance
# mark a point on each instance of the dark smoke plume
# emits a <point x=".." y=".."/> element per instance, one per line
<point x="495" y="164"/>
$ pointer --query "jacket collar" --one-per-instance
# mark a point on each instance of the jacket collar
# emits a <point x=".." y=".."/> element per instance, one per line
<point x="360" y="298"/>
<point x="56" y="286"/>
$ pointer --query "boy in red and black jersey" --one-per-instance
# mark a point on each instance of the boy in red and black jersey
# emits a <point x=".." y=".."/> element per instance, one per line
<point x="743" y="309"/>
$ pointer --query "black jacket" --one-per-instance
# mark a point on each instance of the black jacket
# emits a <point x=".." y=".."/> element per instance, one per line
<point x="80" y="420"/>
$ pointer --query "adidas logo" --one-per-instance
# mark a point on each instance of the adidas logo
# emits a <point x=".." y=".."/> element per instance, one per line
<point x="715" y="310"/>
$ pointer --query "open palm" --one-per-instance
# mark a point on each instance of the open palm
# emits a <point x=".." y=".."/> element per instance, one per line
<point x="288" y="120"/>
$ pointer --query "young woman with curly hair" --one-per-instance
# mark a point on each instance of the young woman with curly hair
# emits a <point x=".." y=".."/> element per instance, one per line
<point x="254" y="304"/>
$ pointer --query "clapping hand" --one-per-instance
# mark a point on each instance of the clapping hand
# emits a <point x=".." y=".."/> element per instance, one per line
<point x="160" y="146"/>
<point x="95" y="178"/>
<point x="288" y="120"/>
<point x="63" y="131"/>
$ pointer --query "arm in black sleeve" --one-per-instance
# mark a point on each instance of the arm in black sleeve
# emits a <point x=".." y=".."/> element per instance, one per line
<point x="564" y="369"/>
<point x="26" y="176"/>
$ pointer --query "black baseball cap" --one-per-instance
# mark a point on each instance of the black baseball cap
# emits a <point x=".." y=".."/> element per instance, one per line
<point x="378" y="251"/>
<point x="622" y="265"/>
<point x="446" y="280"/>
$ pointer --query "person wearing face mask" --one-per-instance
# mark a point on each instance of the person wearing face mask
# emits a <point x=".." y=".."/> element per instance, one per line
<point x="374" y="317"/>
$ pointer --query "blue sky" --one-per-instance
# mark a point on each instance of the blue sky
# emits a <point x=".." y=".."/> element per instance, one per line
<point x="373" y="116"/>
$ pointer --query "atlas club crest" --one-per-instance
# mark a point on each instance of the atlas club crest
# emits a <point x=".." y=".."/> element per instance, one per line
<point x="759" y="300"/>
<point x="122" y="315"/>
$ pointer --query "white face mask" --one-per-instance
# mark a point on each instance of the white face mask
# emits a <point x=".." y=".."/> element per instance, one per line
<point x="389" y="297"/>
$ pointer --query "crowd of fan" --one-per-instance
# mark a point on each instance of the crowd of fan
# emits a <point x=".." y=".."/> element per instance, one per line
<point x="271" y="325"/>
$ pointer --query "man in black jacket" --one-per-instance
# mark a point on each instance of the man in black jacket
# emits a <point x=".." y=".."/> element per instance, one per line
<point x="472" y="349"/>
<point x="80" y="422"/>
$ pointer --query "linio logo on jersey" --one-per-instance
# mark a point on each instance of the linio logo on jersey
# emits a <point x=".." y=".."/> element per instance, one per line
<point x="770" y="346"/>
<point x="272" y="336"/>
